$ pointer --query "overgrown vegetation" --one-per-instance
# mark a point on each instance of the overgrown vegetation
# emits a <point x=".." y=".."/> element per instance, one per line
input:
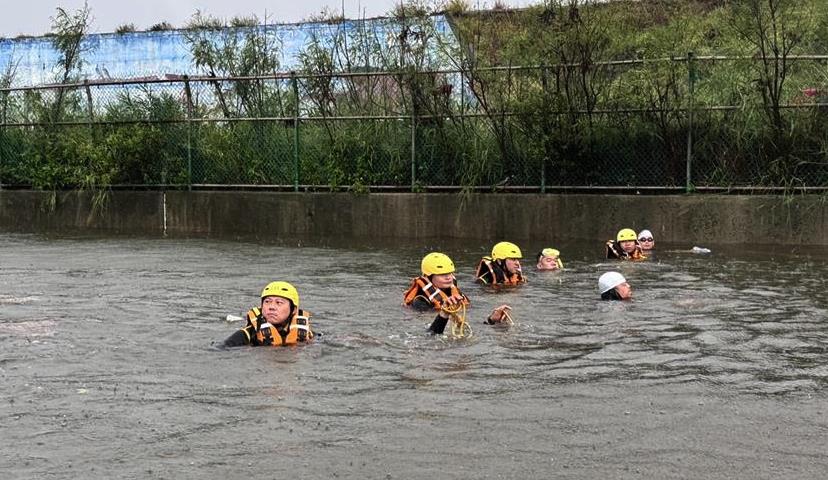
<point x="615" y="93"/>
<point x="161" y="27"/>
<point x="126" y="28"/>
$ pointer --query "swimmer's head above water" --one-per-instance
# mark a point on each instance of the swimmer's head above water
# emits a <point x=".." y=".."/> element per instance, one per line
<point x="508" y="255"/>
<point x="627" y="239"/>
<point x="439" y="268"/>
<point x="646" y="240"/>
<point x="549" y="259"/>
<point x="613" y="286"/>
<point x="279" y="299"/>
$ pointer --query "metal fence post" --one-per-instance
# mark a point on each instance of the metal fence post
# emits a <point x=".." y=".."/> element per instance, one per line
<point x="3" y="137"/>
<point x="544" y="158"/>
<point x="89" y="107"/>
<point x="90" y="112"/>
<point x="691" y="79"/>
<point x="188" y="93"/>
<point x="295" y="83"/>
<point x="413" y="151"/>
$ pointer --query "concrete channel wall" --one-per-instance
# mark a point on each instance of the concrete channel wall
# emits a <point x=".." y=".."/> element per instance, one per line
<point x="721" y="219"/>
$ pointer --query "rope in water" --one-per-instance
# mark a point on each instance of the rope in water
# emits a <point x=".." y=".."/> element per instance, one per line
<point x="457" y="315"/>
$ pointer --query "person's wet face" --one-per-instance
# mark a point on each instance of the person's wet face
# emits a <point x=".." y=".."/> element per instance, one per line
<point x="276" y="309"/>
<point x="647" y="243"/>
<point x="443" y="280"/>
<point x="628" y="246"/>
<point x="512" y="265"/>
<point x="624" y="291"/>
<point x="548" y="263"/>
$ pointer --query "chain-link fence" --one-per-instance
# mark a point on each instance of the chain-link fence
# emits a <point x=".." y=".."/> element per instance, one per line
<point x="677" y="123"/>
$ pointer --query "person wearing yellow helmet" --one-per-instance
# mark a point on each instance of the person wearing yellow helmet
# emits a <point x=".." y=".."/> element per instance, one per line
<point x="503" y="267"/>
<point x="625" y="246"/>
<point x="549" y="259"/>
<point x="277" y="321"/>
<point x="437" y="289"/>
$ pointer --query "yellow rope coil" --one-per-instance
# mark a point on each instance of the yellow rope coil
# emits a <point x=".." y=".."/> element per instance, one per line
<point x="457" y="315"/>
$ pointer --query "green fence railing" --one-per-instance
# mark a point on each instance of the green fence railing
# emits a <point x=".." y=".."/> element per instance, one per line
<point x="682" y="124"/>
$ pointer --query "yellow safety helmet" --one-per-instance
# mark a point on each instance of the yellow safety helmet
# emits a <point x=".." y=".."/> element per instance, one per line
<point x="550" y="252"/>
<point x="436" y="263"/>
<point x="281" y="289"/>
<point x="504" y="250"/>
<point x="626" y="234"/>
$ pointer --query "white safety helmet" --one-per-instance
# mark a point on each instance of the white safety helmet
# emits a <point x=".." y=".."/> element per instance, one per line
<point x="610" y="280"/>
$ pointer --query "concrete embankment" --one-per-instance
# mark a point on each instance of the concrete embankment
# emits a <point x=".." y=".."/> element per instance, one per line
<point x="723" y="219"/>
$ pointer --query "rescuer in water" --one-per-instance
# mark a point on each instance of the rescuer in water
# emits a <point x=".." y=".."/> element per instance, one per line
<point x="277" y="321"/>
<point x="625" y="246"/>
<point x="613" y="286"/>
<point x="437" y="289"/>
<point x="503" y="267"/>
<point x="549" y="259"/>
<point x="646" y="240"/>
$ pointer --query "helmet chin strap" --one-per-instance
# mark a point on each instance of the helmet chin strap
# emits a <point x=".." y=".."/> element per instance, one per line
<point x="502" y="264"/>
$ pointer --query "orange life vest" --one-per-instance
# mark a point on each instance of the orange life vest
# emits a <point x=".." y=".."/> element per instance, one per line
<point x="423" y="288"/>
<point x="499" y="275"/>
<point x="614" y="250"/>
<point x="297" y="329"/>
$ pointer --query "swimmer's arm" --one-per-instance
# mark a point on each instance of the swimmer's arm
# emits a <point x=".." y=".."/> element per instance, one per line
<point x="438" y="326"/>
<point x="240" y="338"/>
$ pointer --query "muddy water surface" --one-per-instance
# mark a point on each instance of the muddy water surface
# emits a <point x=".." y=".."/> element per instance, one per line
<point x="717" y="369"/>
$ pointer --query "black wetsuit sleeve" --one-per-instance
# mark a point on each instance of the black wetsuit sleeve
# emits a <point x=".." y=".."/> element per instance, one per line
<point x="238" y="339"/>
<point x="438" y="326"/>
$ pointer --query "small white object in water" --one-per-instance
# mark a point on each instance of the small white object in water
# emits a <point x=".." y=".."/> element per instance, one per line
<point x="232" y="318"/>
<point x="700" y="250"/>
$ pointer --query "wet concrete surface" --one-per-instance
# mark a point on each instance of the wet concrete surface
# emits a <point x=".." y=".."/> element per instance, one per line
<point x="716" y="369"/>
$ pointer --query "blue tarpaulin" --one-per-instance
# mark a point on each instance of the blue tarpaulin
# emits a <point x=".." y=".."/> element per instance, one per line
<point x="112" y="56"/>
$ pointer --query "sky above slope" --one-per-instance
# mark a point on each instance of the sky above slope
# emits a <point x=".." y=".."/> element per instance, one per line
<point x="33" y="17"/>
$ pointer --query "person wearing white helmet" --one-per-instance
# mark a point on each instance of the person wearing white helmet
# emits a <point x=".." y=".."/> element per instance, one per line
<point x="437" y="289"/>
<point x="503" y="267"/>
<point x="646" y="240"/>
<point x="277" y="321"/>
<point x="613" y="286"/>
